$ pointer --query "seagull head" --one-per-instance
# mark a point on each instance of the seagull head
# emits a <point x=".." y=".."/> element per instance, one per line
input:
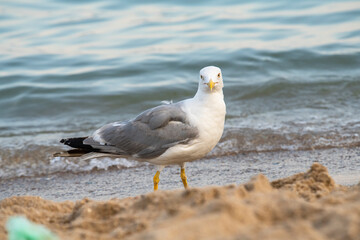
<point x="210" y="79"/>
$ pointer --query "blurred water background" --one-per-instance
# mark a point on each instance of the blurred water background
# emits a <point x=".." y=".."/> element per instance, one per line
<point x="291" y="72"/>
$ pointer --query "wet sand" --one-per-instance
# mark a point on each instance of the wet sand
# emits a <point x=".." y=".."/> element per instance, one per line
<point x="306" y="205"/>
<point x="343" y="165"/>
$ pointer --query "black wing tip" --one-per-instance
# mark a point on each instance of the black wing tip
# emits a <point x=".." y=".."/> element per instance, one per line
<point x="76" y="142"/>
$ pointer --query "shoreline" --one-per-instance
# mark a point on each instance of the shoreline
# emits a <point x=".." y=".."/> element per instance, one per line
<point x="343" y="165"/>
<point x="305" y="205"/>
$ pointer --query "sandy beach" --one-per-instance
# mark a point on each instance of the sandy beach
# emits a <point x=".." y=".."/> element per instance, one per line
<point x="307" y="205"/>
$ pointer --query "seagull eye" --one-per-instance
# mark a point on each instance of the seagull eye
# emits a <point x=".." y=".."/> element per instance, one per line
<point x="219" y="75"/>
<point x="202" y="77"/>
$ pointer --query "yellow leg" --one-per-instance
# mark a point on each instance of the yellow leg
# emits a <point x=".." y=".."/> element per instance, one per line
<point x="183" y="177"/>
<point x="156" y="180"/>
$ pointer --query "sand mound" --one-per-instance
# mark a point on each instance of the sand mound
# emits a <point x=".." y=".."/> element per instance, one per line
<point x="304" y="206"/>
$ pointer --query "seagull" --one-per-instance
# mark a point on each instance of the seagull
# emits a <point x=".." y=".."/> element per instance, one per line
<point x="170" y="134"/>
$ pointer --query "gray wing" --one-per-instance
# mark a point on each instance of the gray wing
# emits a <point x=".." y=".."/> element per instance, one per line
<point x="148" y="135"/>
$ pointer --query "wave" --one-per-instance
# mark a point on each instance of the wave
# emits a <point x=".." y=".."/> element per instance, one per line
<point x="241" y="140"/>
<point x="294" y="87"/>
<point x="291" y="73"/>
<point x="34" y="160"/>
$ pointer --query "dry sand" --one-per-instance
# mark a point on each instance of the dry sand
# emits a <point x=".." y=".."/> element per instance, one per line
<point x="304" y="206"/>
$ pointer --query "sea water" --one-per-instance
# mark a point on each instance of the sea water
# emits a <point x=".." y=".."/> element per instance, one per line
<point x="291" y="71"/>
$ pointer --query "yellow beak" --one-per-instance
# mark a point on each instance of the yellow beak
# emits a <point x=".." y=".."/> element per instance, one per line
<point x="211" y="84"/>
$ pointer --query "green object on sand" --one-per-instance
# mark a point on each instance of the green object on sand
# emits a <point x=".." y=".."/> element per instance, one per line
<point x="20" y="228"/>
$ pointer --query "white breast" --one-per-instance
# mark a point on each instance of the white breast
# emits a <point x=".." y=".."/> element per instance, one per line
<point x="209" y="118"/>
